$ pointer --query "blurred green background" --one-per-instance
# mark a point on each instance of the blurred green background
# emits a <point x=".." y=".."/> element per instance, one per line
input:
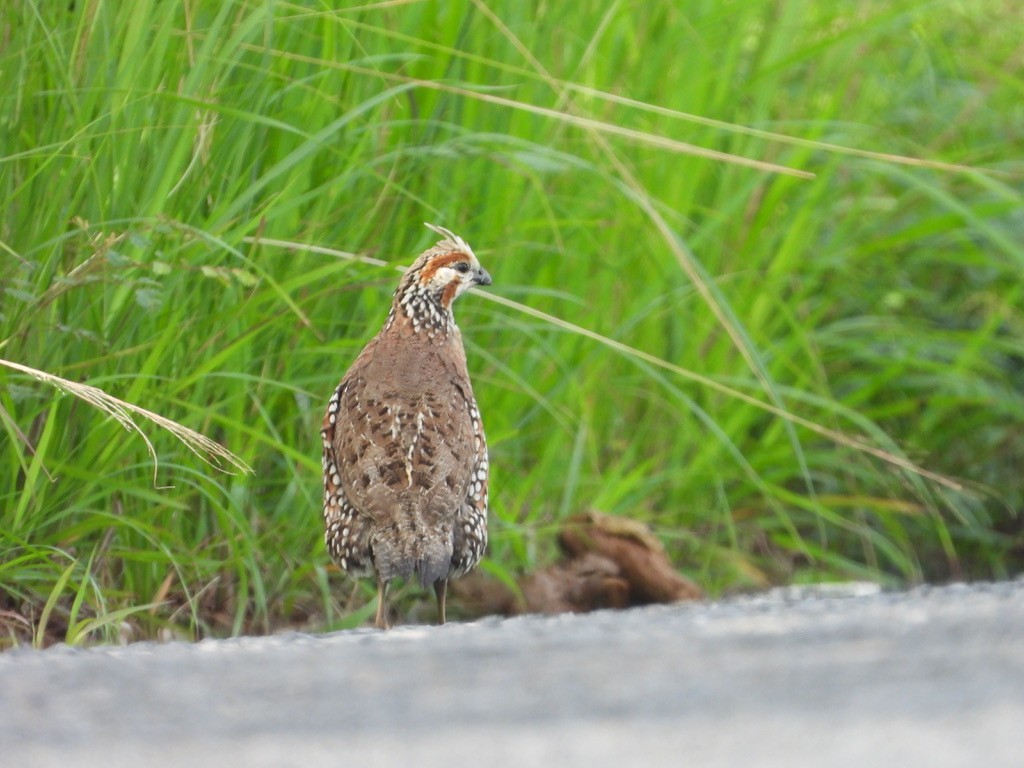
<point x="757" y="283"/>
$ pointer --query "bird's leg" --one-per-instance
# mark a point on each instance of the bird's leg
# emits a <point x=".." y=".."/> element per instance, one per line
<point x="381" y="621"/>
<point x="441" y="590"/>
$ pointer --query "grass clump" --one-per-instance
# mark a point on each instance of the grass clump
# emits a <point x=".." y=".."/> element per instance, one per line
<point x="756" y="283"/>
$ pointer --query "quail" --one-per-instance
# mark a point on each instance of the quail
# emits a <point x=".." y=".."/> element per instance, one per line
<point x="404" y="454"/>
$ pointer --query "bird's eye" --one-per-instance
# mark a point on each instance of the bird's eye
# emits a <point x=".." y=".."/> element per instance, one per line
<point x="462" y="267"/>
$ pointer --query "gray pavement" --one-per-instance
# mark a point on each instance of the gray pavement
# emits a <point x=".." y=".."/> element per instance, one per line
<point x="931" y="677"/>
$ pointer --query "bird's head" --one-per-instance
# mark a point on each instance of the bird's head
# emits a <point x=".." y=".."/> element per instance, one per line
<point x="437" y="277"/>
<point x="448" y="269"/>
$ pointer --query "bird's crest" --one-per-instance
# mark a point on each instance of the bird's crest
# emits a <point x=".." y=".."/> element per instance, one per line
<point x="450" y="236"/>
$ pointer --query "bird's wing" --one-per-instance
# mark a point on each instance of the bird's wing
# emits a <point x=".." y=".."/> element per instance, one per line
<point x="345" y="530"/>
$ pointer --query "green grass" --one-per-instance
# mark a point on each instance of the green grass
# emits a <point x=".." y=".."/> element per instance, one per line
<point x="757" y="282"/>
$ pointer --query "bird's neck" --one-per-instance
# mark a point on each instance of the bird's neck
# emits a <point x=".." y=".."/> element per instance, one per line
<point x="420" y="311"/>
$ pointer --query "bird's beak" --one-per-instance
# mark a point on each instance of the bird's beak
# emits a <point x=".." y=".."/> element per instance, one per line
<point x="481" y="277"/>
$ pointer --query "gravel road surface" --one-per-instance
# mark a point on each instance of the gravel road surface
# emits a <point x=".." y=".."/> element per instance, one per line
<point x="829" y="677"/>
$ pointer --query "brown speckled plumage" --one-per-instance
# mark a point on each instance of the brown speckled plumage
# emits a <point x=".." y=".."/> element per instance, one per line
<point x="404" y="453"/>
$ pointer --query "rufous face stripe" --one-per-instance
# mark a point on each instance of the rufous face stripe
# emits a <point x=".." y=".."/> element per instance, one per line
<point x="448" y="294"/>
<point x="428" y="271"/>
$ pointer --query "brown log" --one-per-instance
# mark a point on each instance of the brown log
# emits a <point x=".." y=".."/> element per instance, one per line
<point x="631" y="545"/>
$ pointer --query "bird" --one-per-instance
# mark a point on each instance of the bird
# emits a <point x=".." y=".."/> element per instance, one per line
<point x="405" y="465"/>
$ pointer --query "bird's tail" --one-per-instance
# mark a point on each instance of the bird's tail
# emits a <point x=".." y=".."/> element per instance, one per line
<point x="414" y="546"/>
